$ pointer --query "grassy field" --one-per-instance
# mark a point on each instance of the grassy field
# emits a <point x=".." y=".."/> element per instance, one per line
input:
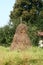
<point x="30" y="56"/>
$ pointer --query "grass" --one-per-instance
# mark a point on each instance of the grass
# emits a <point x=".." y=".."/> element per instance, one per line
<point x="30" y="56"/>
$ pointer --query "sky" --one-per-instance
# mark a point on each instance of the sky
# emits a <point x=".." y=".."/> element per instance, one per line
<point x="5" y="7"/>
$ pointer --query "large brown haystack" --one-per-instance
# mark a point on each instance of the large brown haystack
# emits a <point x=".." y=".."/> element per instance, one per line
<point x="21" y="39"/>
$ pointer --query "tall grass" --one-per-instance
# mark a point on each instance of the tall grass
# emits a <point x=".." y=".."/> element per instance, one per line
<point x="30" y="56"/>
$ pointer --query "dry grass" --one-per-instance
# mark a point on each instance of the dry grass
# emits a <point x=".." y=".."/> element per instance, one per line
<point x="21" y="39"/>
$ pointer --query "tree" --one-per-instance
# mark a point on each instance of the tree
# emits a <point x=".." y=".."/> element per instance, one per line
<point x="31" y="12"/>
<point x="27" y="9"/>
<point x="6" y="35"/>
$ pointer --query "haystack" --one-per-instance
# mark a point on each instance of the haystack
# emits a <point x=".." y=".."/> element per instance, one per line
<point x="21" y="39"/>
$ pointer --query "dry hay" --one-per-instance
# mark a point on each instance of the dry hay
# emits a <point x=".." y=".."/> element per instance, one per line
<point x="21" y="39"/>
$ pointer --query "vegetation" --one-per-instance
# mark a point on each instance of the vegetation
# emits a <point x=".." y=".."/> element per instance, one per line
<point x="27" y="9"/>
<point x="6" y="35"/>
<point x="30" y="56"/>
<point x="31" y="12"/>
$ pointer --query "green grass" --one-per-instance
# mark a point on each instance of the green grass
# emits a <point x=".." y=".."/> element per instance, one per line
<point x="30" y="56"/>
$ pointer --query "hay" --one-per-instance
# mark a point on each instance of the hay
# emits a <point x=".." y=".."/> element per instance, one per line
<point x="21" y="39"/>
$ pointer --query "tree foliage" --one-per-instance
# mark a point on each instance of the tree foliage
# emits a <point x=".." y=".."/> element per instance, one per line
<point x="27" y="9"/>
<point x="6" y="35"/>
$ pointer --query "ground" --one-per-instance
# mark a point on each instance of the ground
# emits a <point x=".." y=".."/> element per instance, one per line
<point x="30" y="56"/>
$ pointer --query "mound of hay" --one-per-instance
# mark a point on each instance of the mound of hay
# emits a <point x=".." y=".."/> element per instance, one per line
<point x="21" y="39"/>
